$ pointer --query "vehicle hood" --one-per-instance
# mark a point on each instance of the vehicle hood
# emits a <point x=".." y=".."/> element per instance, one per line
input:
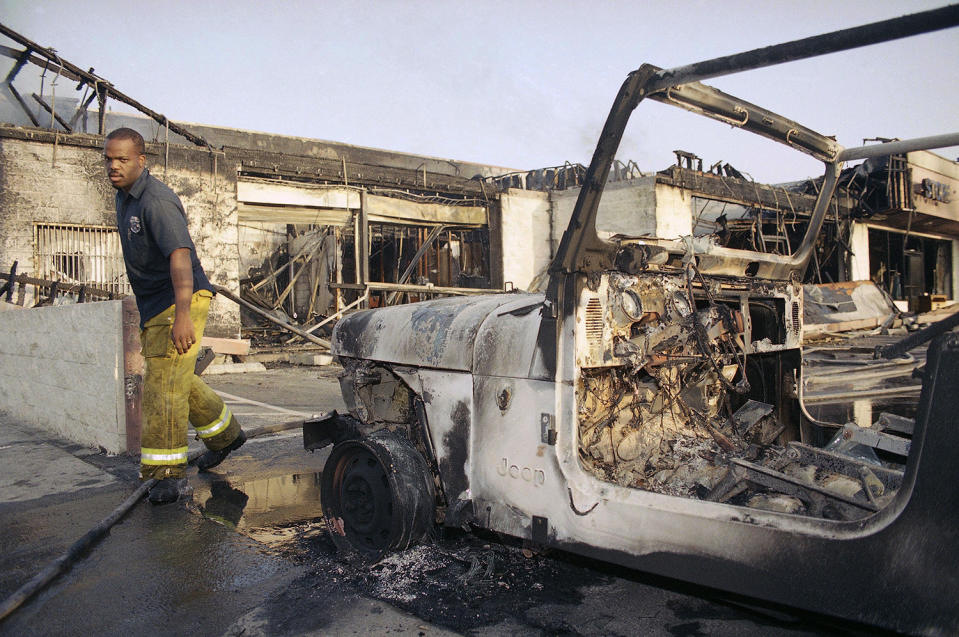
<point x="439" y="333"/>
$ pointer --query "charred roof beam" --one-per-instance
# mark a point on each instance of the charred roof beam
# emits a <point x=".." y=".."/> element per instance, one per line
<point x="42" y="102"/>
<point x="101" y="87"/>
<point x="273" y="165"/>
<point x="21" y="58"/>
<point x="82" y="109"/>
<point x="743" y="192"/>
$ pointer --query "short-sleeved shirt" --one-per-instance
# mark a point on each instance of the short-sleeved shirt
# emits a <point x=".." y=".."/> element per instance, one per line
<point x="152" y="224"/>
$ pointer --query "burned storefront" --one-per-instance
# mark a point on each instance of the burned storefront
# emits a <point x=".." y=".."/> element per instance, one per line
<point x="314" y="250"/>
<point x="899" y="228"/>
<point x="908" y="217"/>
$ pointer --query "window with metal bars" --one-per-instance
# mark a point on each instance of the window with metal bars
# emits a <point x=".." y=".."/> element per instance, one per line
<point x="80" y="255"/>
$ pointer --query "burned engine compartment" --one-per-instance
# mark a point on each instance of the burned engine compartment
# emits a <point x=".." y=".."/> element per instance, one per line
<point x="688" y="387"/>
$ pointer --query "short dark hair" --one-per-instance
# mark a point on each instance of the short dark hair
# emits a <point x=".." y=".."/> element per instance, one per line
<point x="132" y="135"/>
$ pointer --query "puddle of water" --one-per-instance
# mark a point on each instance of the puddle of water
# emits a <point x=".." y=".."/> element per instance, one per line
<point x="273" y="510"/>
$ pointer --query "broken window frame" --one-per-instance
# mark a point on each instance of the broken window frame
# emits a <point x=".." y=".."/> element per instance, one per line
<point x="890" y="247"/>
<point x="427" y="279"/>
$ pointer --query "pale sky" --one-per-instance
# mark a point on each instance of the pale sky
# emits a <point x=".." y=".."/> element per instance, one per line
<point x="524" y="84"/>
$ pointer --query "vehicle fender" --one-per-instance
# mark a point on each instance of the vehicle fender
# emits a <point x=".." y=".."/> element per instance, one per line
<point x="437" y="334"/>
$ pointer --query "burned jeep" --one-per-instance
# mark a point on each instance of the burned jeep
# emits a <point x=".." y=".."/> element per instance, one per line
<point x="644" y="409"/>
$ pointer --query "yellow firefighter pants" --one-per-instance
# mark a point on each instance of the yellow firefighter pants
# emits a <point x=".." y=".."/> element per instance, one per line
<point x="174" y="396"/>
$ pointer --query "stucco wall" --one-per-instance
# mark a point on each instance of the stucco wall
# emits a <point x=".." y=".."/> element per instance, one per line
<point x="534" y="222"/>
<point x="526" y="236"/>
<point x="35" y="187"/>
<point x="61" y="369"/>
<point x="64" y="182"/>
<point x="210" y="202"/>
<point x="638" y="208"/>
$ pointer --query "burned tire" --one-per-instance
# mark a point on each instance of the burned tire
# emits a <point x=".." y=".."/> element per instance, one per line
<point x="377" y="495"/>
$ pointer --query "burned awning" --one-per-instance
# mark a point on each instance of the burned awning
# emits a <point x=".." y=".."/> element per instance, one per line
<point x="265" y="202"/>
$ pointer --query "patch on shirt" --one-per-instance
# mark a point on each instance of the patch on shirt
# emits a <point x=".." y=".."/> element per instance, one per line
<point x="135" y="225"/>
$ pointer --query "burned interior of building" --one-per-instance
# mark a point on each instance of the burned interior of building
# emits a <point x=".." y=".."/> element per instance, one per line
<point x="378" y="246"/>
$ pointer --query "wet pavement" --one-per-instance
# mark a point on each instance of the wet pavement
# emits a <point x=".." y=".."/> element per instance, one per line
<point x="246" y="554"/>
<point x="209" y="565"/>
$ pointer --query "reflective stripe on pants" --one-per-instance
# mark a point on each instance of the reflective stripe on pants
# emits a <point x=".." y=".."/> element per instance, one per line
<point x="161" y="457"/>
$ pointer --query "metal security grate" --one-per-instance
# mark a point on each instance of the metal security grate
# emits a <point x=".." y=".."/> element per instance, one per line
<point x="81" y="255"/>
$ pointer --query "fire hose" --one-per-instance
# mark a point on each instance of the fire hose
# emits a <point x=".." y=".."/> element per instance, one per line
<point x="72" y="555"/>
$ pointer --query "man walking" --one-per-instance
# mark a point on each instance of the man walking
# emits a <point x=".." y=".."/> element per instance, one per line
<point x="173" y="296"/>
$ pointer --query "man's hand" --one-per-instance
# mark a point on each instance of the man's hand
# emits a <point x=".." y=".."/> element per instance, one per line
<point x="182" y="335"/>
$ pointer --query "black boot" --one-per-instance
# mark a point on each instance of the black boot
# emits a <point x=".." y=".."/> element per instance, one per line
<point x="167" y="490"/>
<point x="211" y="459"/>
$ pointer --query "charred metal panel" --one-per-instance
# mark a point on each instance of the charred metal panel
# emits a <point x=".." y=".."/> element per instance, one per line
<point x="375" y="395"/>
<point x="448" y="402"/>
<point x="506" y="341"/>
<point x="437" y="334"/>
<point x="512" y="466"/>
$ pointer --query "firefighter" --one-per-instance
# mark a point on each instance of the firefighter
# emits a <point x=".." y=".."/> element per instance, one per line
<point x="173" y="296"/>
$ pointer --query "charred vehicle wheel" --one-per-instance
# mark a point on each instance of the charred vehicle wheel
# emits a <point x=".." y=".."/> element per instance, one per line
<point x="377" y="495"/>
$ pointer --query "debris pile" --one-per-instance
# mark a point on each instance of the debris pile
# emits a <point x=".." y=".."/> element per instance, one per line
<point x="290" y="285"/>
<point x="647" y="434"/>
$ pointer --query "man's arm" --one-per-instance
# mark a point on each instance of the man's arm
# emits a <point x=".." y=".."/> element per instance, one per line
<point x="181" y="271"/>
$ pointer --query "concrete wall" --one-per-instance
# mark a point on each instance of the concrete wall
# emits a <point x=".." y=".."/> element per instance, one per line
<point x="638" y="208"/>
<point x="61" y="369"/>
<point x="859" y="244"/>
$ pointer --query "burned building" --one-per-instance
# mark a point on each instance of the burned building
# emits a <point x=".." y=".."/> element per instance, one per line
<point x="304" y="228"/>
<point x="904" y="227"/>
<point x="309" y="229"/>
<point x="894" y="221"/>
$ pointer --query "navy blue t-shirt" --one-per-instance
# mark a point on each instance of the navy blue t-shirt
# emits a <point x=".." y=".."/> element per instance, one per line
<point x="152" y="224"/>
